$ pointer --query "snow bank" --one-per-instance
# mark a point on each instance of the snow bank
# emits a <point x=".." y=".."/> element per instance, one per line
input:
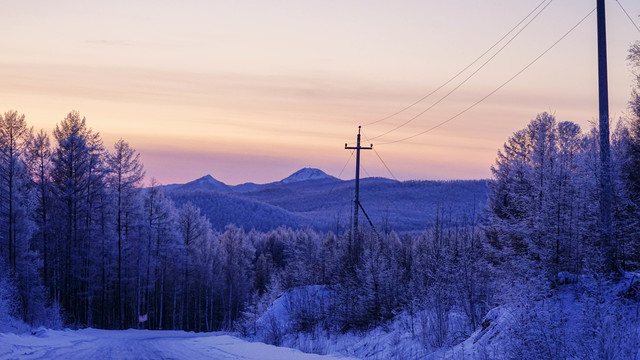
<point x="140" y="344"/>
<point x="296" y="309"/>
<point x="301" y="318"/>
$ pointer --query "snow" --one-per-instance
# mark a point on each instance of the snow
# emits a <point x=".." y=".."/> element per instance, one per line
<point x="404" y="337"/>
<point x="314" y="298"/>
<point x="306" y="174"/>
<point x="401" y="338"/>
<point x="140" y="344"/>
<point x="487" y="341"/>
<point x="585" y="315"/>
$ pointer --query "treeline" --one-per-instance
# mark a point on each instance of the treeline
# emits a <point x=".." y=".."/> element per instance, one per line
<point x="544" y="204"/>
<point x="543" y="213"/>
<point x="80" y="238"/>
<point x="367" y="280"/>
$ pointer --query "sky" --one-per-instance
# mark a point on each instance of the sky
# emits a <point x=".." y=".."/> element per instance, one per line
<point x="251" y="91"/>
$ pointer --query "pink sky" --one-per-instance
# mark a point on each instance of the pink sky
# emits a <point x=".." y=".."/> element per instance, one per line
<point x="254" y="90"/>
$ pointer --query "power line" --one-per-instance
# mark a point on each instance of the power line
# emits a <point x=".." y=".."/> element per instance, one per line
<point x="626" y="13"/>
<point x="467" y="78"/>
<point x="345" y="164"/>
<point x="388" y="201"/>
<point x="383" y="163"/>
<point x="365" y="170"/>
<point x="498" y="88"/>
<point x="461" y="71"/>
<point x="333" y="187"/>
<point x="340" y="174"/>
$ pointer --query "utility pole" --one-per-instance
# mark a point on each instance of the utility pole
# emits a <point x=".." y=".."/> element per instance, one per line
<point x="605" y="155"/>
<point x="356" y="202"/>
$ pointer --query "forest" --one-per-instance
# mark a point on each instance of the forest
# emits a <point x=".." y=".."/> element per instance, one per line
<point x="85" y="243"/>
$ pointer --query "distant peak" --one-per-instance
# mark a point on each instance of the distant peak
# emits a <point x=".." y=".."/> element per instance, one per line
<point x="205" y="179"/>
<point x="305" y="174"/>
<point x="206" y="182"/>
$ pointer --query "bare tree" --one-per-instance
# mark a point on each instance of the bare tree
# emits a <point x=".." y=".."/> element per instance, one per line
<point x="126" y="174"/>
<point x="14" y="136"/>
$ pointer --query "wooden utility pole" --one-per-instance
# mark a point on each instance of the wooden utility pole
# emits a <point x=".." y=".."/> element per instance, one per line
<point x="356" y="202"/>
<point x="606" y="192"/>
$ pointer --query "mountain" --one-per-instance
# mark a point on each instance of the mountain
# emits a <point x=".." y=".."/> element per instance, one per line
<point x="311" y="198"/>
<point x="307" y="174"/>
<point x="206" y="182"/>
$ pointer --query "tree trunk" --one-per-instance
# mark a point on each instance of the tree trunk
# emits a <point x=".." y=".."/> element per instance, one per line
<point x="161" y="299"/>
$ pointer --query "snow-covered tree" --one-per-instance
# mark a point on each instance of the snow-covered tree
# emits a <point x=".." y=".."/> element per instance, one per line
<point x="626" y="162"/>
<point x="39" y="164"/>
<point x="126" y="174"/>
<point x="236" y="255"/>
<point x="631" y="167"/>
<point x="196" y="234"/>
<point x="76" y="176"/>
<point x="162" y="240"/>
<point x="539" y="211"/>
<point x="14" y="227"/>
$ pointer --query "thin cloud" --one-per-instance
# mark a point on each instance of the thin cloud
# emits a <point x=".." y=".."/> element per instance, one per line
<point x="248" y="91"/>
<point x="104" y="42"/>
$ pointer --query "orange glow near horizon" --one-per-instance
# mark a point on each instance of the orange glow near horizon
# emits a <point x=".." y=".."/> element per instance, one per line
<point x="253" y="91"/>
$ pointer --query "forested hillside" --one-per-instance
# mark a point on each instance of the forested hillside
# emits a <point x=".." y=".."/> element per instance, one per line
<point x="325" y="203"/>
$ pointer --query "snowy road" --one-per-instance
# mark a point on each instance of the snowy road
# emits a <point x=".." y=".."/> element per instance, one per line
<point x="140" y="344"/>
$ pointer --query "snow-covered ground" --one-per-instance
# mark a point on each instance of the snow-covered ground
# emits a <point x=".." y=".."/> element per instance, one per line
<point x="140" y="344"/>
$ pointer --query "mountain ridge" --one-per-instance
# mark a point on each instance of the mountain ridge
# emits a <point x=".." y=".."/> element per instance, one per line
<point x="208" y="182"/>
<point x="320" y="201"/>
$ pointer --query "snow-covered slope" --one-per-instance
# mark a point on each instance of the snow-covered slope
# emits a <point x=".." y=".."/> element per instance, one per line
<point x="140" y="344"/>
<point x="309" y="302"/>
<point x="489" y="341"/>
<point x="587" y="317"/>
<point x="306" y="174"/>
